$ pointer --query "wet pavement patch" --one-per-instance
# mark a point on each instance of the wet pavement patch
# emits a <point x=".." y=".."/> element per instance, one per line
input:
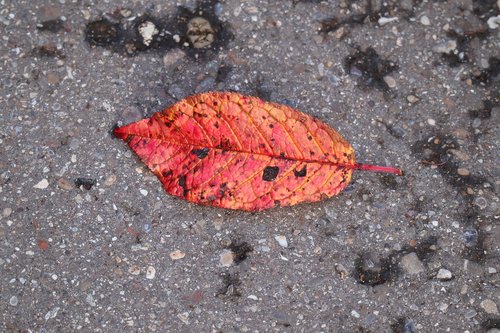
<point x="240" y="250"/>
<point x="231" y="283"/>
<point x="372" y="12"/>
<point x="370" y="69"/>
<point x="372" y="270"/>
<point x="49" y="51"/>
<point x="403" y="325"/>
<point x="489" y="75"/>
<point x="483" y="113"/>
<point x="388" y="181"/>
<point x="436" y="151"/>
<point x="199" y="32"/>
<point x="53" y="26"/>
<point x="85" y="183"/>
<point x="459" y="55"/>
<point x="425" y="249"/>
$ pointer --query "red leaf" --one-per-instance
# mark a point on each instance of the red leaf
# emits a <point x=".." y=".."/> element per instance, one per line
<point x="239" y="152"/>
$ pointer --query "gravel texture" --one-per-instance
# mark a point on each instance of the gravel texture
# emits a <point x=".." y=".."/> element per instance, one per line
<point x="89" y="241"/>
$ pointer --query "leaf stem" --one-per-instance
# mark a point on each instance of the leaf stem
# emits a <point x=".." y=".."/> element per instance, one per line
<point x="378" y="168"/>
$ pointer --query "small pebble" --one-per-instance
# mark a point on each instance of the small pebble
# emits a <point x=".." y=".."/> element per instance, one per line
<point x="355" y="314"/>
<point x="226" y="258"/>
<point x="134" y="270"/>
<point x="444" y="274"/>
<point x="411" y="264"/>
<point x="463" y="172"/>
<point x="489" y="306"/>
<point x="52" y="78"/>
<point x="148" y="31"/>
<point x="469" y="314"/>
<point x="390" y="81"/>
<point x="13" y="301"/>
<point x="476" y="123"/>
<point x="443" y="307"/>
<point x="445" y="47"/>
<point x="494" y="22"/>
<point x="481" y="202"/>
<point x="412" y="99"/>
<point x="172" y="57"/>
<point x="492" y="270"/>
<point x="177" y="254"/>
<point x="110" y="180"/>
<point x="425" y="20"/>
<point x="150" y="273"/>
<point x="143" y="192"/>
<point x="431" y="122"/>
<point x="384" y="20"/>
<point x="6" y="212"/>
<point x="281" y="240"/>
<point x="43" y="184"/>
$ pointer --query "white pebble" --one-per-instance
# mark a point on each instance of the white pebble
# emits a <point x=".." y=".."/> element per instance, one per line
<point x="281" y="240"/>
<point x="384" y="20"/>
<point x="391" y="83"/>
<point x="150" y="273"/>
<point x="226" y="258"/>
<point x="143" y="192"/>
<point x="444" y="274"/>
<point x="425" y="20"/>
<point x="355" y="314"/>
<point x="148" y="31"/>
<point x="494" y="22"/>
<point x="431" y="122"/>
<point x="13" y="301"/>
<point x="42" y="184"/>
<point x="177" y="254"/>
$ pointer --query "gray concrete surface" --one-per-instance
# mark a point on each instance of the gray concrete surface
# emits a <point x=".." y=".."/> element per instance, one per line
<point x="89" y="241"/>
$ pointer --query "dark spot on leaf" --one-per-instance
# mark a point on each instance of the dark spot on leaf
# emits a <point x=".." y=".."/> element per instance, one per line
<point x="300" y="173"/>
<point x="222" y="189"/>
<point x="270" y="173"/>
<point x="201" y="153"/>
<point x="86" y="183"/>
<point x="182" y="183"/>
<point x="167" y="173"/>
